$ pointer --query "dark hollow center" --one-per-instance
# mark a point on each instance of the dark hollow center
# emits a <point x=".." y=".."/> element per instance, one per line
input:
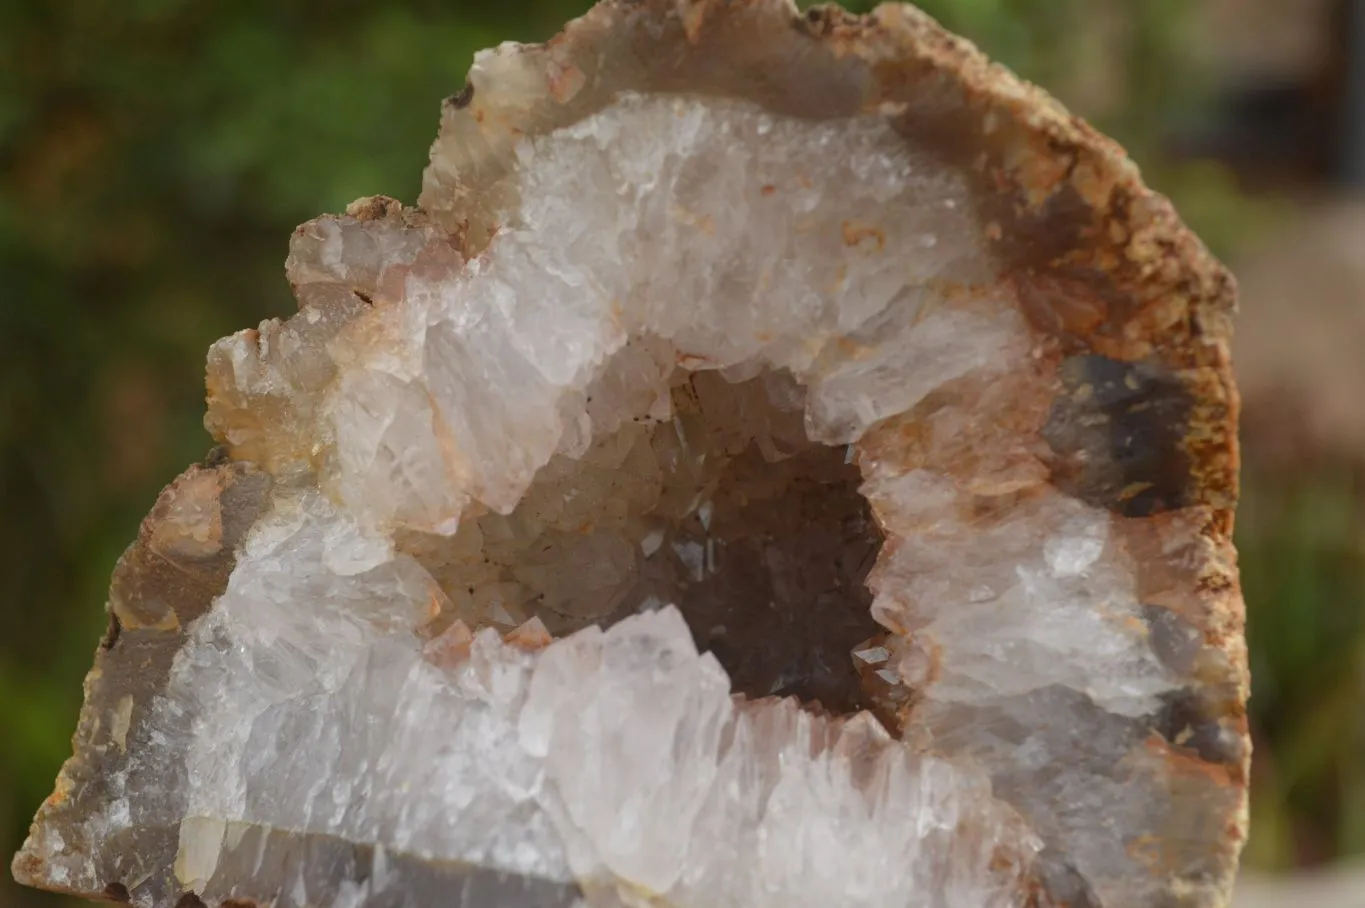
<point x="772" y="579"/>
<point x="725" y="509"/>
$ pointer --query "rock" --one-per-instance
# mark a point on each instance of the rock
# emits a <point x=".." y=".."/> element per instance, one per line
<point x="782" y="461"/>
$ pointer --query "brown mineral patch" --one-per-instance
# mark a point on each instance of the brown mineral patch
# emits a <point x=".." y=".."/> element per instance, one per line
<point x="1067" y="308"/>
<point x="1185" y="767"/>
<point x="565" y="81"/>
<point x="461" y="98"/>
<point x="187" y="521"/>
<point x="855" y="233"/>
<point x="530" y="636"/>
<point x="61" y="792"/>
<point x="1000" y="456"/>
<point x="1041" y="174"/>
<point x="374" y="207"/>
<point x="693" y="20"/>
<point x="451" y="647"/>
<point x="1185" y="571"/>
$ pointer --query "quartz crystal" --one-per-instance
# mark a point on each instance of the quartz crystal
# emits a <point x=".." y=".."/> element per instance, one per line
<point x="782" y="460"/>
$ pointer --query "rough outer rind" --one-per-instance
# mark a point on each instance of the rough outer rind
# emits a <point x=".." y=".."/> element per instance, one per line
<point x="166" y="579"/>
<point x="1129" y="302"/>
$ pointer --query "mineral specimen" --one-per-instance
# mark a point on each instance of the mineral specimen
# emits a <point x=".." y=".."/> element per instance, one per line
<point x="781" y="461"/>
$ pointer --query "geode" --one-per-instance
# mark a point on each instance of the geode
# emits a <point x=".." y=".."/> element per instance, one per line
<point x="782" y="460"/>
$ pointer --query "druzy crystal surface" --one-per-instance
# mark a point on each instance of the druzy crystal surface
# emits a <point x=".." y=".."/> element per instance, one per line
<point x="780" y="461"/>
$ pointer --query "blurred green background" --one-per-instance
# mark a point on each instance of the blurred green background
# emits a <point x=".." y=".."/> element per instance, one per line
<point x="155" y="155"/>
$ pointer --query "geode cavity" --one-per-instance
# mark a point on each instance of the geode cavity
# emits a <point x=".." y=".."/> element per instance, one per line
<point x="781" y="461"/>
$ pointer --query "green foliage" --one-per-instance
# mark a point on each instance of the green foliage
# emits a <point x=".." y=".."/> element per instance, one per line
<point x="1302" y="544"/>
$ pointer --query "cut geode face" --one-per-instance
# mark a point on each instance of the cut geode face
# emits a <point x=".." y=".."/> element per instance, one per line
<point x="782" y="461"/>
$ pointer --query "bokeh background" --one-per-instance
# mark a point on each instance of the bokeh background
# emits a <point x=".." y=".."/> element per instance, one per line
<point x="155" y="155"/>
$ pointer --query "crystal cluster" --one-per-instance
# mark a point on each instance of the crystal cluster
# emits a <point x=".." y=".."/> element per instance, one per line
<point x="780" y="461"/>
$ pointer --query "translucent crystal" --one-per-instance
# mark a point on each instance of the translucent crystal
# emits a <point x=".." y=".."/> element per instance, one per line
<point x="772" y="466"/>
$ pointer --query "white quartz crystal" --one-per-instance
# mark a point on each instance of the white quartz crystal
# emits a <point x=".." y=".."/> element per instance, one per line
<point x="704" y="230"/>
<point x="524" y="424"/>
<point x="616" y="757"/>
